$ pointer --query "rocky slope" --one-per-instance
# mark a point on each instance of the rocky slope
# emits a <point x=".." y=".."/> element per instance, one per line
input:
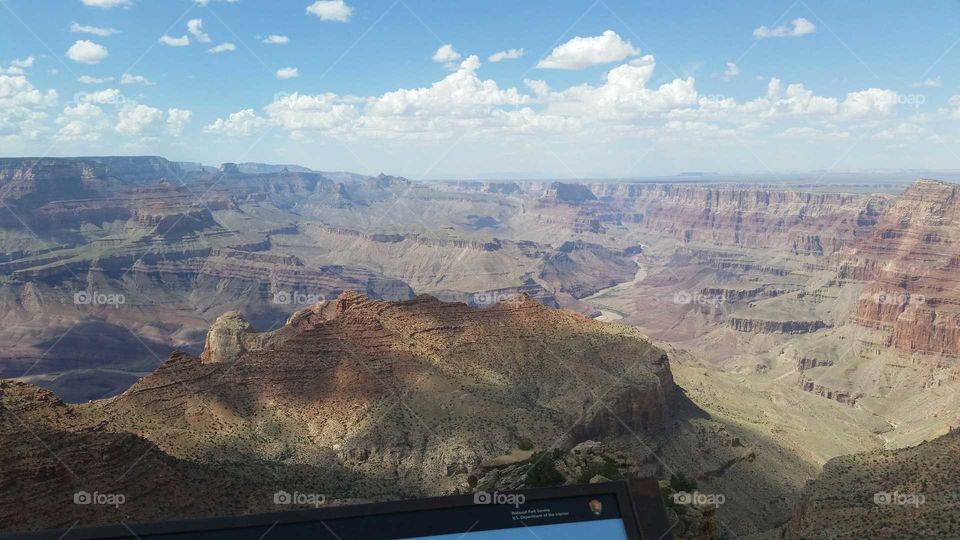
<point x="367" y="398"/>
<point x="908" y="493"/>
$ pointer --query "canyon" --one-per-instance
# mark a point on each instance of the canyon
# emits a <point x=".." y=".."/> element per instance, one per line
<point x="777" y="330"/>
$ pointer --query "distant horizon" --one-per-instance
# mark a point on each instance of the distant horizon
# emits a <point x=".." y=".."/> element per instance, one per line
<point x="838" y="177"/>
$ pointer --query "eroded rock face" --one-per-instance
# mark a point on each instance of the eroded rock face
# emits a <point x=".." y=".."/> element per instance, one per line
<point x="808" y="223"/>
<point x="326" y="384"/>
<point x="912" y="263"/>
<point x="225" y="340"/>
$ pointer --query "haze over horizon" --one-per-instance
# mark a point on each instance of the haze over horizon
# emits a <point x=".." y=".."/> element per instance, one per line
<point x="593" y="90"/>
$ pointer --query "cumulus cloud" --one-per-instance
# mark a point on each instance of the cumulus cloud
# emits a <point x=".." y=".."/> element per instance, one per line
<point x="23" y="107"/>
<point x="798" y="27"/>
<point x="274" y="39"/>
<point x="288" y="73"/>
<point x="177" y="119"/>
<point x="195" y="27"/>
<point x="205" y="3"/>
<point x="323" y="112"/>
<point x="87" y="52"/>
<point x="624" y="96"/>
<point x="78" y="28"/>
<point x="221" y="48"/>
<point x="170" y="41"/>
<point x="732" y="71"/>
<point x="446" y="54"/>
<point x="238" y="124"/>
<point x="127" y="78"/>
<point x="869" y="103"/>
<point x="84" y="121"/>
<point x="135" y="118"/>
<point x="583" y="52"/>
<point x="509" y="54"/>
<point x="17" y="66"/>
<point x="106" y="4"/>
<point x="330" y="10"/>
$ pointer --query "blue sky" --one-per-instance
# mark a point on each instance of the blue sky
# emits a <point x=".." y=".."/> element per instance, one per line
<point x="602" y="88"/>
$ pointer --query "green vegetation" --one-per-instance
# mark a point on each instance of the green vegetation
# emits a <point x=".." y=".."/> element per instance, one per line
<point x="679" y="482"/>
<point x="607" y="469"/>
<point x="544" y="472"/>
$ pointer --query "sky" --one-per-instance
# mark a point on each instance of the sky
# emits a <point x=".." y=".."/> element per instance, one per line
<point x="498" y="89"/>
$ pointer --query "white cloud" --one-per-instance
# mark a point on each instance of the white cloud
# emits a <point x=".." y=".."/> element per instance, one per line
<point x="95" y="30"/>
<point x="954" y="102"/>
<point x="732" y="71"/>
<point x="446" y="55"/>
<point x="330" y="10"/>
<point x="127" y="78"/>
<point x="799" y="27"/>
<point x="274" y="39"/>
<point x="238" y="124"/>
<point x="106" y="4"/>
<point x="22" y="108"/>
<point x="509" y="54"/>
<point x="934" y="82"/>
<point x="223" y="47"/>
<point x="17" y="66"/>
<point x="624" y="96"/>
<point x="84" y="121"/>
<point x="87" y="79"/>
<point x="461" y="91"/>
<point x="869" y="103"/>
<point x="170" y="41"/>
<point x="322" y="112"/>
<point x="288" y="73"/>
<point x="583" y="52"/>
<point x="195" y="27"/>
<point x="135" y="118"/>
<point x="205" y="3"/>
<point x="87" y="52"/>
<point x="177" y="119"/>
